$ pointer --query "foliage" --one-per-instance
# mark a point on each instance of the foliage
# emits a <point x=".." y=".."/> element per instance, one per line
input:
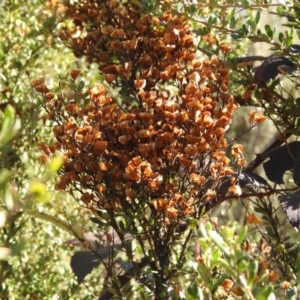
<point x="152" y="162"/>
<point x="144" y="151"/>
<point x="27" y="245"/>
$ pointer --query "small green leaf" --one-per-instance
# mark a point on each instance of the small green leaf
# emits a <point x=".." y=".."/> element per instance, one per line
<point x="9" y="113"/>
<point x="257" y="17"/>
<point x="192" y="9"/>
<point x="39" y="191"/>
<point x="218" y="240"/>
<point x="227" y="233"/>
<point x="281" y="9"/>
<point x="148" y="6"/>
<point x="211" y="20"/>
<point x="254" y="39"/>
<point x="55" y="164"/>
<point x="265" y="293"/>
<point x="253" y="25"/>
<point x="289" y="37"/>
<point x="258" y="32"/>
<point x="242" y="265"/>
<point x="235" y="36"/>
<point x="253" y="268"/>
<point x="242" y="234"/>
<point x="122" y="226"/>
<point x="265" y="38"/>
<point x="231" y="15"/>
<point x="7" y="121"/>
<point x="195" y="291"/>
<point x="9" y="126"/>
<point x="232" y="23"/>
<point x="98" y="221"/>
<point x="269" y="31"/>
<point x="37" y="188"/>
<point x="193" y="222"/>
<point x="244" y="29"/>
<point x="281" y="37"/>
<point x="203" y="232"/>
<point x="102" y="213"/>
<point x="4" y="177"/>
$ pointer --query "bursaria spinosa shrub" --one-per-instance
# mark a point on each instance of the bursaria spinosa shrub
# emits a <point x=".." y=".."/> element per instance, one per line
<point x="148" y="163"/>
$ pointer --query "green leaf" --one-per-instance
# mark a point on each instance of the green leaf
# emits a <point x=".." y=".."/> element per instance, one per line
<point x="193" y="222"/>
<point x="235" y="36"/>
<point x="231" y="15"/>
<point x="55" y="164"/>
<point x="254" y="39"/>
<point x="122" y="226"/>
<point x="211" y="20"/>
<point x="227" y="233"/>
<point x="81" y="85"/>
<point x="203" y="232"/>
<point x="258" y="32"/>
<point x="257" y="17"/>
<point x="289" y="37"/>
<point x="195" y="291"/>
<point x="9" y="126"/>
<point x="269" y="31"/>
<point x="281" y="37"/>
<point x="253" y="268"/>
<point x="281" y="9"/>
<point x="265" y="293"/>
<point x="192" y="9"/>
<point x="102" y="213"/>
<point x="242" y="235"/>
<point x="219" y="241"/>
<point x="98" y="221"/>
<point x="9" y="113"/>
<point x="253" y="25"/>
<point x="242" y="264"/>
<point x="265" y="37"/>
<point x="4" y="177"/>
<point x="39" y="191"/>
<point x="202" y="31"/>
<point x="148" y="6"/>
<point x="216" y="255"/>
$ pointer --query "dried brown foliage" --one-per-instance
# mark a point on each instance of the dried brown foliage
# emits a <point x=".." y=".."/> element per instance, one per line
<point x="160" y="161"/>
<point x="166" y="153"/>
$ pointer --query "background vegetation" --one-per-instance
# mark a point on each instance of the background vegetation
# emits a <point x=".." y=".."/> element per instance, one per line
<point x="61" y="62"/>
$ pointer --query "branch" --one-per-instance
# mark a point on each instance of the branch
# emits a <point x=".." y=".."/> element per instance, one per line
<point x="123" y="279"/>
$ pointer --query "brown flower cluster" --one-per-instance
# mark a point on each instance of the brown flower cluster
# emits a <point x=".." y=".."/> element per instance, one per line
<point x="129" y="46"/>
<point x="162" y="155"/>
<point x="167" y="154"/>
